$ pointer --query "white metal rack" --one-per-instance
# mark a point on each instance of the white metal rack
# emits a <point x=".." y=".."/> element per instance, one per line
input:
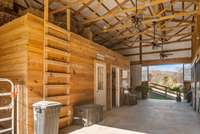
<point x="8" y="107"/>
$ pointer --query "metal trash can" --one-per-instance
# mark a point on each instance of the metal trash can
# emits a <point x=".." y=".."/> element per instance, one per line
<point x="46" y="117"/>
<point x="88" y="114"/>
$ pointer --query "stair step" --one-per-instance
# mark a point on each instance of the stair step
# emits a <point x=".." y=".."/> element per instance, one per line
<point x="56" y="39"/>
<point x="57" y="28"/>
<point x="57" y="51"/>
<point x="63" y="99"/>
<point x="57" y="90"/>
<point x="5" y="119"/>
<point x="53" y="74"/>
<point x="6" y="107"/>
<point x="5" y="130"/>
<point x="58" y="63"/>
<point x="57" y="86"/>
<point x="66" y="111"/>
<point x="65" y="121"/>
<point x="5" y="94"/>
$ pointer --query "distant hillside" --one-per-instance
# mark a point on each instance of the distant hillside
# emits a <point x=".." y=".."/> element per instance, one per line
<point x="167" y="78"/>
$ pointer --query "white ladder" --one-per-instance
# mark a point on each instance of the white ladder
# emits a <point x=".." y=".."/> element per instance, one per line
<point x="8" y="107"/>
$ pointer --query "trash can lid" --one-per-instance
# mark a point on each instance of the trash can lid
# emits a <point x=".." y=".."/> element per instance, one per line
<point x="46" y="104"/>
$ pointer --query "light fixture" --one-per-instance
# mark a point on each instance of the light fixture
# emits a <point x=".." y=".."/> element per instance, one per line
<point x="137" y="19"/>
<point x="163" y="53"/>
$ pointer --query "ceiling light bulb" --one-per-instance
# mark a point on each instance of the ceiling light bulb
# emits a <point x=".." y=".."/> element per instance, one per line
<point x="105" y="27"/>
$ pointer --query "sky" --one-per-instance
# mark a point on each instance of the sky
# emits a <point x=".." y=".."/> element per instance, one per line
<point x="171" y="68"/>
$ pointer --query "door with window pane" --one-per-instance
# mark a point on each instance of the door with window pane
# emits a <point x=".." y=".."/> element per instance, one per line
<point x="100" y="92"/>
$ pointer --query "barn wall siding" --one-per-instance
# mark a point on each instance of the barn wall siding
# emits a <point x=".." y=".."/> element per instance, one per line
<point x="22" y="59"/>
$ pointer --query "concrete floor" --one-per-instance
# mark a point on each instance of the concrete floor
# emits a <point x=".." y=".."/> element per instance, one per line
<point x="148" y="117"/>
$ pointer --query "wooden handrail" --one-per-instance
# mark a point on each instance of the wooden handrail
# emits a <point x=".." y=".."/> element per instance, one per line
<point x="159" y="85"/>
<point x="162" y="88"/>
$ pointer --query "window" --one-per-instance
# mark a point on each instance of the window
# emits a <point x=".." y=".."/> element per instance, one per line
<point x="187" y="72"/>
<point x="100" y="78"/>
<point x="144" y="73"/>
<point x="125" y="78"/>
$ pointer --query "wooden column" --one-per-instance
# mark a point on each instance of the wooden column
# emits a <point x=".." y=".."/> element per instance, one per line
<point x="140" y="49"/>
<point x="68" y="22"/>
<point x="68" y="16"/>
<point x="46" y="19"/>
<point x="183" y="73"/>
<point x="148" y="73"/>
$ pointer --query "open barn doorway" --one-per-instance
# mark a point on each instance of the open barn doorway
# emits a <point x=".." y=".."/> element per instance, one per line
<point x="168" y="80"/>
<point x="115" y="86"/>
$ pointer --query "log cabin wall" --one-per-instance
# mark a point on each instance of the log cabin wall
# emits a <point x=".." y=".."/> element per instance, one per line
<point x="83" y="58"/>
<point x="55" y="91"/>
<point x="13" y="63"/>
<point x="21" y="59"/>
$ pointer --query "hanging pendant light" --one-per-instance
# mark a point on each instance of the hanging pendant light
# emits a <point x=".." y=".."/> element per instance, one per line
<point x="137" y="19"/>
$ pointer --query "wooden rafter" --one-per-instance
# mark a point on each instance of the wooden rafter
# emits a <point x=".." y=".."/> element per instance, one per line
<point x="129" y="25"/>
<point x="157" y="52"/>
<point x="118" y="10"/>
<point x="114" y="26"/>
<point x="132" y="46"/>
<point x="166" y="61"/>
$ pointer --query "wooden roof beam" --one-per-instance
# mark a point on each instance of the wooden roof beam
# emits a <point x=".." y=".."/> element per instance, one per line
<point x="150" y="44"/>
<point x="155" y="52"/>
<point x="164" y="18"/>
<point x="166" y="61"/>
<point x="141" y="7"/>
<point x="119" y="10"/>
<point x="67" y="5"/>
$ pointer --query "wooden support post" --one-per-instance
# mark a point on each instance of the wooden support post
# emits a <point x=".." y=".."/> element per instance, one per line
<point x="141" y="49"/>
<point x="68" y="13"/>
<point x="166" y="91"/>
<point x="148" y="74"/>
<point x="46" y="19"/>
<point x="183" y="73"/>
<point x="68" y="23"/>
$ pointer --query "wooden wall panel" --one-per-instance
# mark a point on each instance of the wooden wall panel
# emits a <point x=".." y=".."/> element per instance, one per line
<point x="24" y="61"/>
<point x="35" y="66"/>
<point x="13" y="61"/>
<point x="83" y="57"/>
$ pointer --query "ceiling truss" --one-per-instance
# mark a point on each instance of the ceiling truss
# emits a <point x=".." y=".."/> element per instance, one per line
<point x="113" y="26"/>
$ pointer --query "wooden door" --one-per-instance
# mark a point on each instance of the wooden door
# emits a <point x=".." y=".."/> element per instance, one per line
<point x="100" y="87"/>
<point x="115" y="87"/>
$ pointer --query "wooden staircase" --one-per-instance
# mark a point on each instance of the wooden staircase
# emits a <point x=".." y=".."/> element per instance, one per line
<point x="56" y="77"/>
